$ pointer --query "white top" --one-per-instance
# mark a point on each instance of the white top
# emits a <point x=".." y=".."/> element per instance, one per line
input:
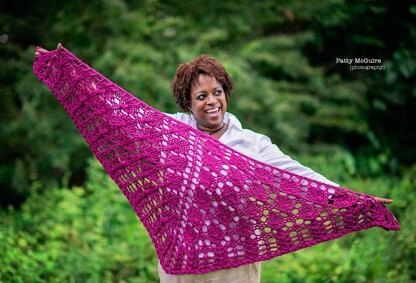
<point x="256" y="146"/>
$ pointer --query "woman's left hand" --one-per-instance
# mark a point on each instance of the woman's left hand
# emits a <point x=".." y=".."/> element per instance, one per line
<point x="383" y="200"/>
<point x="40" y="51"/>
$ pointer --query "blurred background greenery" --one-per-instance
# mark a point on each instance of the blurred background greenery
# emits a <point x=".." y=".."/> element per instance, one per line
<point x="63" y="219"/>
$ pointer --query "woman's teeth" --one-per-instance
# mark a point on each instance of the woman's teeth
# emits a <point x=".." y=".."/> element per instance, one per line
<point x="213" y="110"/>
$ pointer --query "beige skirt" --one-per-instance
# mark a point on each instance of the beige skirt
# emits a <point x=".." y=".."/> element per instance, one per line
<point x="249" y="273"/>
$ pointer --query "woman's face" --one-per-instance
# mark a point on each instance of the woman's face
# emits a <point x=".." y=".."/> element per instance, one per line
<point x="208" y="103"/>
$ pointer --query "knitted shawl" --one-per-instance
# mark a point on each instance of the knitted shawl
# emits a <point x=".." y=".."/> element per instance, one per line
<point x="205" y="206"/>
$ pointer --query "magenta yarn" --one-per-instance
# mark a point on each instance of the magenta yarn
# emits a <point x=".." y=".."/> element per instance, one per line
<point x="205" y="206"/>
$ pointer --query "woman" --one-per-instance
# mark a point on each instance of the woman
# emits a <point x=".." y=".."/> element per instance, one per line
<point x="202" y="88"/>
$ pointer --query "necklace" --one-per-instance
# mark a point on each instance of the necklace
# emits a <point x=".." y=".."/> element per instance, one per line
<point x="216" y="131"/>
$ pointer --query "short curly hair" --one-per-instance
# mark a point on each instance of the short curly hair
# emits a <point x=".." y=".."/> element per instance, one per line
<point x="187" y="73"/>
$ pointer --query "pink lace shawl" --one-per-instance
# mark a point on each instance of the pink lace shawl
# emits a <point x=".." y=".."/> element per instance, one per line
<point x="205" y="206"/>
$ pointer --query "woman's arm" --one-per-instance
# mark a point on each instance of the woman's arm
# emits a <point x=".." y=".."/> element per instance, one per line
<point x="269" y="153"/>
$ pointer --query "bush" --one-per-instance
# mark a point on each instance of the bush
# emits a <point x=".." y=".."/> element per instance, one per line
<point x="91" y="234"/>
<point x="86" y="234"/>
<point x="373" y="255"/>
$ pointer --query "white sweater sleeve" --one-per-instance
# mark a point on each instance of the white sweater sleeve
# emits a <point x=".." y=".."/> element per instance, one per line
<point x="269" y="153"/>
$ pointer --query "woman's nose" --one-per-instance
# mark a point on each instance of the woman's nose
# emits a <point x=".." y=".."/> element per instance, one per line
<point x="211" y="99"/>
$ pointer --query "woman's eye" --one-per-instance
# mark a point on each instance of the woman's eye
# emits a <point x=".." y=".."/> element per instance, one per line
<point x="218" y="92"/>
<point x="200" y="97"/>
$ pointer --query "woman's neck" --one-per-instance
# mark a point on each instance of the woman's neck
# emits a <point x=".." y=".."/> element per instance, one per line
<point x="217" y="133"/>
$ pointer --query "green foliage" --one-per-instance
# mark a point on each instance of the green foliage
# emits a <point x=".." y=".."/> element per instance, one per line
<point x="281" y="55"/>
<point x="385" y="31"/>
<point x="91" y="234"/>
<point x="367" y="256"/>
<point x="300" y="106"/>
<point x="75" y="227"/>
<point x="87" y="234"/>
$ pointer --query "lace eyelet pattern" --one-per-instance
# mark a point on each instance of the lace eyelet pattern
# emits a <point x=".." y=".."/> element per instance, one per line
<point x="205" y="206"/>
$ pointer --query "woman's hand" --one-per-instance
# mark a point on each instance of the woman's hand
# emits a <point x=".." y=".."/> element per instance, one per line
<point x="383" y="200"/>
<point x="40" y="51"/>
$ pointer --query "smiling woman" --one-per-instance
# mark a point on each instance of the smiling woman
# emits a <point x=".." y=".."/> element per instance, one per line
<point x="202" y="87"/>
<point x="208" y="105"/>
